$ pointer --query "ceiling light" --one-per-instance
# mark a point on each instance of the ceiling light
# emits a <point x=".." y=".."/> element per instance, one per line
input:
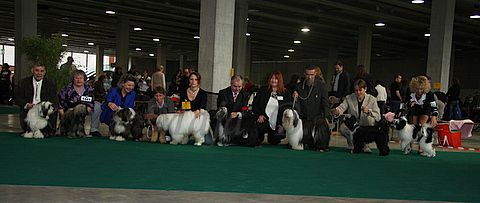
<point x="64" y="45"/>
<point x="378" y="55"/>
<point x="91" y="43"/>
<point x="475" y="16"/>
<point x="85" y="51"/>
<point x="64" y="35"/>
<point x="138" y="49"/>
<point x="286" y="56"/>
<point x="291" y="50"/>
<point x="379" y="24"/>
<point x="137" y="29"/>
<point x="305" y="30"/>
<point x="427" y="35"/>
<point x="151" y="54"/>
<point x="247" y="34"/>
<point x="417" y="2"/>
<point x="110" y="12"/>
<point x="297" y="42"/>
<point x="196" y="37"/>
<point x="10" y="39"/>
<point x="248" y="19"/>
<point x="156" y="40"/>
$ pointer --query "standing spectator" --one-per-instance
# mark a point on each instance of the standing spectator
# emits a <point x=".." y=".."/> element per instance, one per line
<point x="294" y="81"/>
<point x="116" y="76"/>
<point x="395" y="96"/>
<point x="33" y="90"/>
<point x="69" y="65"/>
<point x="158" y="78"/>
<point x="381" y="96"/>
<point x="340" y="82"/>
<point x="268" y="106"/>
<point x="453" y="95"/>
<point x="185" y="79"/>
<point x="99" y="93"/>
<point x="363" y="74"/>
<point x="5" y="84"/>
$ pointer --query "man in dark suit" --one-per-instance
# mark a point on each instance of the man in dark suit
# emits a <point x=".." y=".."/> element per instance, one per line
<point x="340" y="82"/>
<point x="233" y="97"/>
<point x="33" y="90"/>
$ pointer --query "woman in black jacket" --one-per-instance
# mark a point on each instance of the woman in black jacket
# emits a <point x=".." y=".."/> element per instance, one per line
<point x="268" y="106"/>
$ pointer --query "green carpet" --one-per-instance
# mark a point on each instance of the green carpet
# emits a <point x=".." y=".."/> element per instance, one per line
<point x="9" y="110"/>
<point x="99" y="162"/>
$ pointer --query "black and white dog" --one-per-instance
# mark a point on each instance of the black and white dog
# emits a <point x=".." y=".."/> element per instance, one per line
<point x="126" y="124"/>
<point x="37" y="120"/>
<point x="237" y="131"/>
<point x="72" y="123"/>
<point x="408" y="133"/>
<point x="315" y="134"/>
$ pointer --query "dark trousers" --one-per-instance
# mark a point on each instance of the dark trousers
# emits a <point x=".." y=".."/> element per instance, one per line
<point x="367" y="134"/>
<point x="454" y="111"/>
<point x="52" y="121"/>
<point x="381" y="106"/>
<point x="273" y="138"/>
<point x="394" y="105"/>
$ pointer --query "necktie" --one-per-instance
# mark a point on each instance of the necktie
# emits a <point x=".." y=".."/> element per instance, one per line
<point x="35" y="99"/>
<point x="235" y="97"/>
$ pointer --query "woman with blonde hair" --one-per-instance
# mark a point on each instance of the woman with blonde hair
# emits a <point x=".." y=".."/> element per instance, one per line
<point x="422" y="101"/>
<point x="319" y="74"/>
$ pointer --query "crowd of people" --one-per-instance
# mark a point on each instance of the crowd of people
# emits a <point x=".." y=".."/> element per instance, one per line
<point x="309" y="95"/>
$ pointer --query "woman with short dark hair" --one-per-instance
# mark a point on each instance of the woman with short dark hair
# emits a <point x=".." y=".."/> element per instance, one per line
<point x="118" y="98"/>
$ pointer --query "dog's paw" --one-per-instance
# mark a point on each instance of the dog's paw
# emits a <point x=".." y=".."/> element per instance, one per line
<point x="120" y="139"/>
<point x="112" y="137"/>
<point x="197" y="144"/>
<point x="28" y="135"/>
<point x="174" y="142"/>
<point x="220" y="144"/>
<point x="38" y="135"/>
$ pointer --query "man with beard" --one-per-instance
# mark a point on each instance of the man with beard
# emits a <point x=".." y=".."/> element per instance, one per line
<point x="311" y="95"/>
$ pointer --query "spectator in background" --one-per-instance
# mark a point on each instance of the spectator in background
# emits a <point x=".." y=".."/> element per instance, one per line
<point x="381" y="96"/>
<point x="395" y="96"/>
<point x="453" y="95"/>
<point x="158" y="78"/>
<point x="319" y="74"/>
<point x="294" y="81"/>
<point x="5" y="84"/>
<point x="69" y="64"/>
<point x="107" y="82"/>
<point x="174" y="87"/>
<point x="99" y="93"/>
<point x="363" y="74"/>
<point x="185" y="79"/>
<point x="340" y="82"/>
<point x="116" y="76"/>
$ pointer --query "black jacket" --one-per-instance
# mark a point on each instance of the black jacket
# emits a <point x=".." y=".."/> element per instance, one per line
<point x="343" y="84"/>
<point x="316" y="105"/>
<point x="225" y="99"/>
<point x="261" y="100"/>
<point x="24" y="93"/>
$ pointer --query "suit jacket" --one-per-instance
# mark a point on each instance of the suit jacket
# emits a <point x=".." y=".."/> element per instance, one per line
<point x="350" y="104"/>
<point x="317" y="104"/>
<point x="261" y="100"/>
<point x="225" y="99"/>
<point x="24" y="93"/>
<point x="343" y="85"/>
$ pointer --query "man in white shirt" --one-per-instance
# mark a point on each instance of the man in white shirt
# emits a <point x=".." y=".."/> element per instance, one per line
<point x="33" y="90"/>
<point x="381" y="96"/>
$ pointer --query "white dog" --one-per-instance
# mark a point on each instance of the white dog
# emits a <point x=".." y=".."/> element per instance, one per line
<point x="315" y="134"/>
<point x="180" y="126"/>
<point x="408" y="133"/>
<point x="37" y="119"/>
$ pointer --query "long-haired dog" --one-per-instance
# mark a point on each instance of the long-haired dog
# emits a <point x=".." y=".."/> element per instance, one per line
<point x="182" y="125"/>
<point x="37" y="120"/>
<point x="347" y="128"/>
<point x="361" y="135"/>
<point x="72" y="123"/>
<point x="238" y="131"/>
<point x="408" y="133"/>
<point x="315" y="134"/>
<point x="126" y="124"/>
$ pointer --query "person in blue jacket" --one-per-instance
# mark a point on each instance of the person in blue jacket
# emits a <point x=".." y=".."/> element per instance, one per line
<point x="119" y="97"/>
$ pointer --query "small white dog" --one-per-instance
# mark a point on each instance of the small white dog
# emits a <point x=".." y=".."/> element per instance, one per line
<point x="426" y="141"/>
<point x="182" y="125"/>
<point x="37" y="119"/>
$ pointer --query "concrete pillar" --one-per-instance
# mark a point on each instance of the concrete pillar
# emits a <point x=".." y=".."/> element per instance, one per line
<point x="25" y="26"/>
<point x="240" y="40"/>
<point x="440" y="42"/>
<point x="181" y="63"/>
<point x="330" y="70"/>
<point x="122" y="34"/>
<point x="162" y="55"/>
<point x="216" y="43"/>
<point x="364" y="50"/>
<point x="100" y="53"/>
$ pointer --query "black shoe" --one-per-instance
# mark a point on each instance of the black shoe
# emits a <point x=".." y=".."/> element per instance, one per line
<point x="95" y="134"/>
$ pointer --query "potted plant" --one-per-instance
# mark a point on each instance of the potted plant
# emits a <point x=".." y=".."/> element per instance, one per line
<point x="48" y="51"/>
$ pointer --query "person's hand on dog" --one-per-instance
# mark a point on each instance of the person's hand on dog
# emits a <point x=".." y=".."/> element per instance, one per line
<point x="197" y="113"/>
<point x="113" y="106"/>
<point x="261" y="119"/>
<point x="434" y="121"/>
<point x="89" y="109"/>
<point x="234" y="114"/>
<point x="29" y="105"/>
<point x="365" y="109"/>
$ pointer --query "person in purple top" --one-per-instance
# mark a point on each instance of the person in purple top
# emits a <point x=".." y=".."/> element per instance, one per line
<point x="76" y="92"/>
